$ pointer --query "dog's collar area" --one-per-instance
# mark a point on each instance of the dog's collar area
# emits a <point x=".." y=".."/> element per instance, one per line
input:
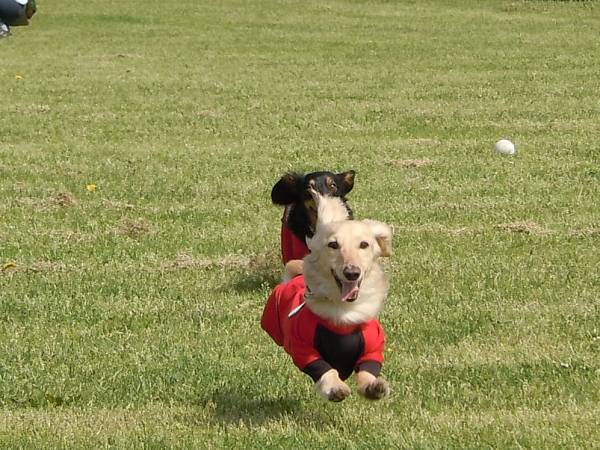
<point x="308" y="293"/>
<point x="296" y="310"/>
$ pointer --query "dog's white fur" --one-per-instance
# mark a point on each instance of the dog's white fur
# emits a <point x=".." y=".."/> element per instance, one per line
<point x="331" y="387"/>
<point x="342" y="248"/>
<point x="329" y="210"/>
<point x="324" y="264"/>
<point x="337" y="245"/>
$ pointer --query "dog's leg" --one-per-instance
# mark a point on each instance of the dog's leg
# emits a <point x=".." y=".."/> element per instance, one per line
<point x="372" y="387"/>
<point x="292" y="269"/>
<point x="331" y="387"/>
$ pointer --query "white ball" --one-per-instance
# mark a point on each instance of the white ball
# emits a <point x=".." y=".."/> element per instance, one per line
<point x="505" y="147"/>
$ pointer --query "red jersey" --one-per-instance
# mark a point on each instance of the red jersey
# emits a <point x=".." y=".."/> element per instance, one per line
<point x="292" y="247"/>
<point x="315" y="344"/>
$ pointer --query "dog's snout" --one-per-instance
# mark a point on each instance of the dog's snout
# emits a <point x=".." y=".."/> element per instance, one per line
<point x="351" y="273"/>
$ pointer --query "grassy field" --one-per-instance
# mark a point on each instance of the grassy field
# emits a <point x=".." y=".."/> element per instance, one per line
<point x="138" y="243"/>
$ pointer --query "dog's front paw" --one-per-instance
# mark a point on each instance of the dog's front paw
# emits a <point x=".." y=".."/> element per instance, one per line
<point x="372" y="387"/>
<point x="376" y="390"/>
<point x="331" y="387"/>
<point x="338" y="393"/>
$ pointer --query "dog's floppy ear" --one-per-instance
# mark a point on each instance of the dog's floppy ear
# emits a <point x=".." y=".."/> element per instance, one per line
<point x="346" y="180"/>
<point x="287" y="190"/>
<point x="383" y="235"/>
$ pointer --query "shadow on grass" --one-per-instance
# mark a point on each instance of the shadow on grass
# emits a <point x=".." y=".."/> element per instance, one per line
<point x="247" y="281"/>
<point x="262" y="273"/>
<point x="253" y="404"/>
<point x="230" y="407"/>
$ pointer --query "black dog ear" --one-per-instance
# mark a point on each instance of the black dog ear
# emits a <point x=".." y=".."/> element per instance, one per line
<point x="287" y="190"/>
<point x="346" y="180"/>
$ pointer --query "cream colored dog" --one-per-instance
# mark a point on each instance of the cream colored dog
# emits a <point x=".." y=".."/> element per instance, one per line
<point x="344" y="283"/>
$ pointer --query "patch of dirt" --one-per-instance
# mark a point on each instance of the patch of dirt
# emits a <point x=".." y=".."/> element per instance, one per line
<point x="65" y="199"/>
<point x="413" y="163"/>
<point x="133" y="227"/>
<point x="44" y="266"/>
<point x="521" y="227"/>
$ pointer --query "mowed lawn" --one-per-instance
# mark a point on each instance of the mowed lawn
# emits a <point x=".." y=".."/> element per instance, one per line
<point x="138" y="242"/>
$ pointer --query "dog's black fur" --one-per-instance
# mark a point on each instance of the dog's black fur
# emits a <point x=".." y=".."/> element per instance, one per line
<point x="293" y="191"/>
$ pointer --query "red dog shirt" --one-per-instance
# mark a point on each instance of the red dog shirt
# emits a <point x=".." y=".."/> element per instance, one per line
<point x="315" y="344"/>
<point x="292" y="247"/>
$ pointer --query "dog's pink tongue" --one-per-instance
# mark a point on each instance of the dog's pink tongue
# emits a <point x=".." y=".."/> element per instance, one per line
<point x="349" y="290"/>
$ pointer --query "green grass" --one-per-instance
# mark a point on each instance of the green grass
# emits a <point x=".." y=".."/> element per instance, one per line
<point x="129" y="315"/>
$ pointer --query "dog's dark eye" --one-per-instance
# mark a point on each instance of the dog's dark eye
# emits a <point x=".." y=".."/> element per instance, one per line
<point x="333" y="187"/>
<point x="364" y="244"/>
<point x="334" y="245"/>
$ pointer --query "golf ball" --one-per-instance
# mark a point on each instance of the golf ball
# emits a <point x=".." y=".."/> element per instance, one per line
<point x="505" y="147"/>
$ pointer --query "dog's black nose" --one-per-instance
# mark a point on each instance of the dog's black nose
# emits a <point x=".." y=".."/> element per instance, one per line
<point x="351" y="273"/>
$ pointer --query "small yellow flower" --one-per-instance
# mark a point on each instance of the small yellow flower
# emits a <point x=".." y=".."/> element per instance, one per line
<point x="92" y="187"/>
<point x="7" y="266"/>
<point x="19" y="77"/>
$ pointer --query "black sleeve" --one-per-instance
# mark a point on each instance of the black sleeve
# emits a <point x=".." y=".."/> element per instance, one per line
<point x="373" y="367"/>
<point x="316" y="369"/>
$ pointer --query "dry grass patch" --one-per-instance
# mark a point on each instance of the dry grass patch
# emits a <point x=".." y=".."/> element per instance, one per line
<point x="68" y="235"/>
<point x="65" y="199"/>
<point x="522" y="227"/>
<point x="29" y="202"/>
<point x="44" y="266"/>
<point x="117" y="205"/>
<point x="412" y="163"/>
<point x="450" y="205"/>
<point x="185" y="261"/>
<point x="439" y="229"/>
<point x="207" y="113"/>
<point x="133" y="227"/>
<point x="262" y="263"/>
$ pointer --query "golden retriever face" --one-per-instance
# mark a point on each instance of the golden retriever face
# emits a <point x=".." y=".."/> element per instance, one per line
<point x="350" y="249"/>
<point x="344" y="279"/>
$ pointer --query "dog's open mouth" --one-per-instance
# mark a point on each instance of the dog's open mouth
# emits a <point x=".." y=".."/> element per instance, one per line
<point x="349" y="289"/>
